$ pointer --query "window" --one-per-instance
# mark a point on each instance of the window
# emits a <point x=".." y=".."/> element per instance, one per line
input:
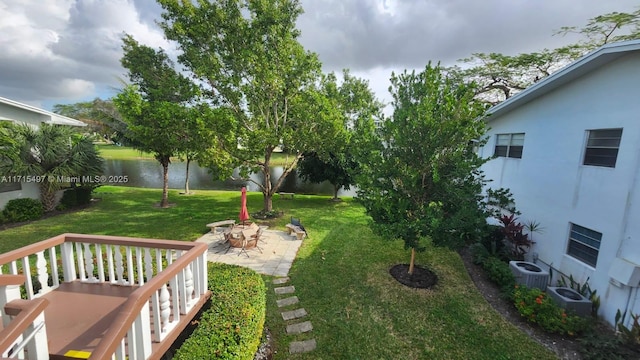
<point x="584" y="244"/>
<point x="509" y="145"/>
<point x="9" y="186"/>
<point x="602" y="147"/>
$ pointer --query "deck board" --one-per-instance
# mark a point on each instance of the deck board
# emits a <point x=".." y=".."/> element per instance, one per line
<point x="79" y="314"/>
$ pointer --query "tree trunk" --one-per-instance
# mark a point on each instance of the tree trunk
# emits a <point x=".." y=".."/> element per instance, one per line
<point x="47" y="195"/>
<point x="165" y="183"/>
<point x="336" y="188"/>
<point x="413" y="260"/>
<point x="267" y="191"/>
<point x="186" y="177"/>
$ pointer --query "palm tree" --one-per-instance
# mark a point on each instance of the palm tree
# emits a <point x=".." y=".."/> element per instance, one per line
<point x="52" y="155"/>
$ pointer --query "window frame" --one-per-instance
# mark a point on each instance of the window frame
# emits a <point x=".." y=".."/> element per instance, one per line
<point x="6" y="187"/>
<point x="588" y="156"/>
<point x="509" y="150"/>
<point x="580" y="246"/>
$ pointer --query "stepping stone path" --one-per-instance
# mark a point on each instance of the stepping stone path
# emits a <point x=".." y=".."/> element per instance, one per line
<point x="295" y="347"/>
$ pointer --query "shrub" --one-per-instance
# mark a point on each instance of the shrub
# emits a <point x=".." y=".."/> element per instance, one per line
<point x="83" y="194"/>
<point x="499" y="272"/>
<point x="493" y="241"/>
<point x="232" y="327"/>
<point x="605" y="346"/>
<point x="537" y="307"/>
<point x="24" y="209"/>
<point x="75" y="196"/>
<point x="69" y="199"/>
<point x="479" y="253"/>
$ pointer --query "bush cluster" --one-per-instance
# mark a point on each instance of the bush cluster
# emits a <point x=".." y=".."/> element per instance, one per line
<point x="231" y="328"/>
<point x="499" y="272"/>
<point x="24" y="209"/>
<point x="75" y="196"/>
<point x="537" y="307"/>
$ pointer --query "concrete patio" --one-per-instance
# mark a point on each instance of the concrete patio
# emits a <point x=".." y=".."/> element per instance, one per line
<point x="279" y="249"/>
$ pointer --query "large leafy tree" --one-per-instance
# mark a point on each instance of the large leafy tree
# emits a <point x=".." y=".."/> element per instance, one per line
<point x="357" y="105"/>
<point x="501" y="76"/>
<point x="156" y="106"/>
<point x="247" y="58"/>
<point x="52" y="154"/>
<point x="421" y="181"/>
<point x="102" y="117"/>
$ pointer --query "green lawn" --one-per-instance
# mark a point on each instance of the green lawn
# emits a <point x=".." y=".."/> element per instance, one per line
<point x="113" y="152"/>
<point x="341" y="277"/>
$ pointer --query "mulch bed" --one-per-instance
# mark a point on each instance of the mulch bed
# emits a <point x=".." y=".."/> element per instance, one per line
<point x="422" y="278"/>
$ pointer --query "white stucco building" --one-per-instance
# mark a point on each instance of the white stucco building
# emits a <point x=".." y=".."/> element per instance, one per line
<point x="14" y="111"/>
<point x="568" y="148"/>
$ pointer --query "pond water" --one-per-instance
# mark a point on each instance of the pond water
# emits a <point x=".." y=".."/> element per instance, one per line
<point x="148" y="174"/>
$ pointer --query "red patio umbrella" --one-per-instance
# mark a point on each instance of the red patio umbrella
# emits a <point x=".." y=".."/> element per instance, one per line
<point x="244" y="214"/>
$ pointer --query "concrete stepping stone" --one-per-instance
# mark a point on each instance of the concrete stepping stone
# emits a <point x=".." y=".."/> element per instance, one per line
<point x="279" y="281"/>
<point x="294" y="314"/>
<point x="287" y="301"/>
<point x="285" y="290"/>
<point x="296" y="347"/>
<point x="299" y="328"/>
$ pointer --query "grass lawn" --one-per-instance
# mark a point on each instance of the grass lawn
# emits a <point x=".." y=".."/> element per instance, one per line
<point x="113" y="152"/>
<point x="341" y="276"/>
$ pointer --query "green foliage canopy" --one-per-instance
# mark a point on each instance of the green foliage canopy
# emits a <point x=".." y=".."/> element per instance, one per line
<point x="247" y="58"/>
<point x="422" y="180"/>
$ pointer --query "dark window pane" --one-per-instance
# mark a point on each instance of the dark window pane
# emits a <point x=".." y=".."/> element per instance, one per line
<point x="601" y="157"/>
<point x="501" y="151"/>
<point x="6" y="187"/>
<point x="515" y="152"/>
<point x="604" y="142"/>
<point x="605" y="133"/>
<point x="583" y="253"/>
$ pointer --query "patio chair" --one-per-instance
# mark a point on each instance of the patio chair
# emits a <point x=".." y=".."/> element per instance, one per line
<point x="227" y="241"/>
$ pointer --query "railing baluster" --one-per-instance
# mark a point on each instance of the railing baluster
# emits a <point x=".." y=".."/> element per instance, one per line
<point x="158" y="261"/>
<point x="68" y="263"/>
<point x="142" y="330"/>
<point x="139" y="265"/>
<point x="120" y="352"/>
<point x="88" y="263"/>
<point x="148" y="264"/>
<point x="175" y="297"/>
<point x="112" y="277"/>
<point x="165" y="306"/>
<point x="55" y="277"/>
<point x="119" y="267"/>
<point x="188" y="285"/>
<point x="13" y="268"/>
<point x="100" y="262"/>
<point x="79" y="260"/>
<point x="157" y="320"/>
<point x="27" y="274"/>
<point x="131" y="279"/>
<point x="43" y="275"/>
<point x="132" y="342"/>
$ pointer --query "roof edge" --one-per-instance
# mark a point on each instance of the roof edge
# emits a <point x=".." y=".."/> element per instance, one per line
<point x="547" y="84"/>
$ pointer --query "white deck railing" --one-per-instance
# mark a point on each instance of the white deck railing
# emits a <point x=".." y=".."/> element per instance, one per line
<point x="170" y="276"/>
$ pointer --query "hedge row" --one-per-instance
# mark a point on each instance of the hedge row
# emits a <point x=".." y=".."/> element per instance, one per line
<point x="232" y="327"/>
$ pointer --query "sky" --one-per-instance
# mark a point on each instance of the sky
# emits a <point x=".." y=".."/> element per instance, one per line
<point x="67" y="51"/>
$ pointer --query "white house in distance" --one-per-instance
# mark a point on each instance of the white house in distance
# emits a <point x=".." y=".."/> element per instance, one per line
<point x="21" y="113"/>
<point x="568" y="148"/>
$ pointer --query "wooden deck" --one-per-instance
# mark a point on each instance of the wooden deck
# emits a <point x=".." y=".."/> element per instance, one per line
<point x="80" y="313"/>
<point x="104" y="296"/>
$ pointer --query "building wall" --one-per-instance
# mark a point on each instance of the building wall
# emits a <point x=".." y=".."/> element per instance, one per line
<point x="29" y="190"/>
<point x="21" y="115"/>
<point x="551" y="186"/>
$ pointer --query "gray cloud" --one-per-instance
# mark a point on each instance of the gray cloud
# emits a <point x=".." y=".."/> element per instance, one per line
<point x="69" y="50"/>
